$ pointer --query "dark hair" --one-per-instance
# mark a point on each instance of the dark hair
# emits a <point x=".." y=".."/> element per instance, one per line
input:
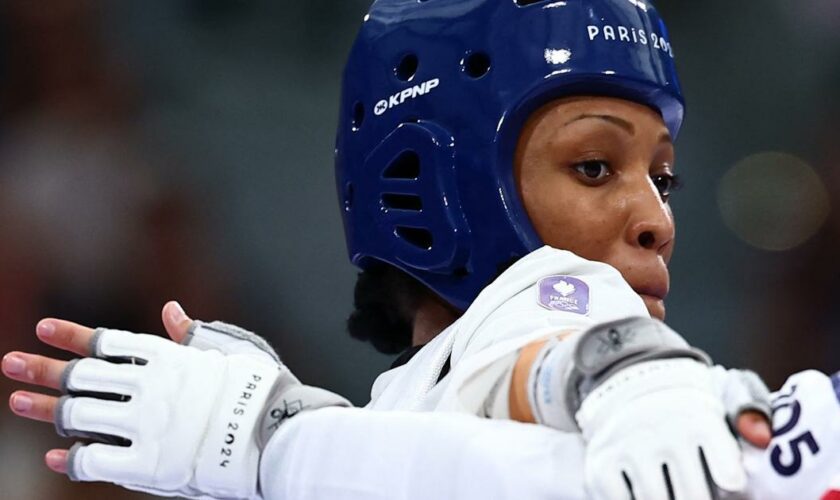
<point x="385" y="301"/>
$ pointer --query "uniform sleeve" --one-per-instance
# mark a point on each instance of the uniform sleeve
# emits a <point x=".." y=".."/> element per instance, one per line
<point x="351" y="453"/>
<point x="548" y="293"/>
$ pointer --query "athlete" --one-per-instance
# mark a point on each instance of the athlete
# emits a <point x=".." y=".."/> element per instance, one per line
<point x="476" y="140"/>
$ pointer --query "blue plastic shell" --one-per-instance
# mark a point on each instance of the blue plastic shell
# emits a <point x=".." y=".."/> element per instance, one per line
<point x="435" y="94"/>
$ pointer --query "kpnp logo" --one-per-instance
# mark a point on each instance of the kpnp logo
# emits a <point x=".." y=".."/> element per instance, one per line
<point x="400" y="97"/>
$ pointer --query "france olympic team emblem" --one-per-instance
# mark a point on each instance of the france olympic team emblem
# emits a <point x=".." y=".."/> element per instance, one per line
<point x="564" y="293"/>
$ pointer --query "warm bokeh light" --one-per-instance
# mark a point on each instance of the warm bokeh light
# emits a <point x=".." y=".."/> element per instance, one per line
<point x="773" y="201"/>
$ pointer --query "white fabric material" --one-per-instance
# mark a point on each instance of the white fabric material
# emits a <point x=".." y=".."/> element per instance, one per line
<point x="505" y="317"/>
<point x="358" y="454"/>
<point x="804" y="455"/>
<point x="289" y="397"/>
<point x="363" y="454"/>
<point x="508" y="315"/>
<point x="740" y="391"/>
<point x="192" y="417"/>
<point x="564" y="372"/>
<point x="833" y="492"/>
<point x="227" y="338"/>
<point x="655" y="413"/>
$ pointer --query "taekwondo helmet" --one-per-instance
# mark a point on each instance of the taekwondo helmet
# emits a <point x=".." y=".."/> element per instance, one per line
<point x="435" y="94"/>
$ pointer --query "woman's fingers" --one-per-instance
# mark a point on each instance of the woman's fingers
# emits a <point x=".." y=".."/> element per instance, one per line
<point x="65" y="335"/>
<point x="56" y="460"/>
<point x="754" y="428"/>
<point x="33" y="369"/>
<point x="176" y="321"/>
<point x="33" y="405"/>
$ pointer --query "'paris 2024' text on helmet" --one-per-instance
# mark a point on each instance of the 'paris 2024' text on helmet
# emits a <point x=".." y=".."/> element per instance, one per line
<point x="435" y="94"/>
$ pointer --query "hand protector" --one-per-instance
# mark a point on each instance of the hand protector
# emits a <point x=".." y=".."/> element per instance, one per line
<point x="649" y="409"/>
<point x="289" y="398"/>
<point x="741" y="391"/>
<point x="803" y="460"/>
<point x="195" y="420"/>
<point x="657" y="430"/>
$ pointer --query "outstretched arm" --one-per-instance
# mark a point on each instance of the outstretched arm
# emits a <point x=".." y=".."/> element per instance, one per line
<point x="165" y="418"/>
<point x="357" y="453"/>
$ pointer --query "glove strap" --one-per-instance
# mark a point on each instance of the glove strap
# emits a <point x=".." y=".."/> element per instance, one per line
<point x="290" y="398"/>
<point x="564" y="376"/>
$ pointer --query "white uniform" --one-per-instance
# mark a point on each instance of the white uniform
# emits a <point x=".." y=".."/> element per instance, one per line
<point x="359" y="454"/>
<point x="544" y="294"/>
<point x="410" y="453"/>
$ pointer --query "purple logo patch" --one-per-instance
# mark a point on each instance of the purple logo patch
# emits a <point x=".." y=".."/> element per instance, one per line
<point x="564" y="293"/>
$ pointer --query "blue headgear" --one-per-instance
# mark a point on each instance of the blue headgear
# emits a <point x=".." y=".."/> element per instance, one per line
<point x="435" y="94"/>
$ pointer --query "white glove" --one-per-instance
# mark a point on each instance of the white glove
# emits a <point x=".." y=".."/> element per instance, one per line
<point x="650" y="410"/>
<point x="185" y="421"/>
<point x="657" y="430"/>
<point x="803" y="460"/>
<point x="741" y="391"/>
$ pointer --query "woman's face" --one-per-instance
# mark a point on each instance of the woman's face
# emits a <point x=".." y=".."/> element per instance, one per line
<point x="595" y="175"/>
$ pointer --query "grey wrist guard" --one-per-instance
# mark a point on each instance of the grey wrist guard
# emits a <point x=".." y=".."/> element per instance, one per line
<point x="289" y="396"/>
<point x="605" y="349"/>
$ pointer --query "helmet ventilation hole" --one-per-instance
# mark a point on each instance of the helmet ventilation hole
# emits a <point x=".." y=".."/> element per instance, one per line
<point x="524" y="3"/>
<point x="358" y="115"/>
<point x="402" y="202"/>
<point x="404" y="166"/>
<point x="407" y="67"/>
<point x="476" y="64"/>
<point x="419" y="237"/>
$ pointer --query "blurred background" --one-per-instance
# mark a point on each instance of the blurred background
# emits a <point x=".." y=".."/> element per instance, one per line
<point x="183" y="150"/>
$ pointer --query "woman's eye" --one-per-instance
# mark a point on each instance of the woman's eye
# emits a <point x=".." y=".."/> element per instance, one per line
<point x="666" y="184"/>
<point x="594" y="170"/>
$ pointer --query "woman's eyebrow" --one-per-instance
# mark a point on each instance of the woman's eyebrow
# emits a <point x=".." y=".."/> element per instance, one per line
<point x="620" y="122"/>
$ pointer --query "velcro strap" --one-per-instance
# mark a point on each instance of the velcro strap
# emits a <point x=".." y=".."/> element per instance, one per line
<point x="610" y="347"/>
<point x="290" y="399"/>
<point x="227" y="338"/>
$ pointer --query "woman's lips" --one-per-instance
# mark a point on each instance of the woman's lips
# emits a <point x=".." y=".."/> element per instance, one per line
<point x="655" y="305"/>
<point x="656" y="292"/>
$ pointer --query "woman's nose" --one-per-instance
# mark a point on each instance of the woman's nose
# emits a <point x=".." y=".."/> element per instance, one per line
<point x="650" y="222"/>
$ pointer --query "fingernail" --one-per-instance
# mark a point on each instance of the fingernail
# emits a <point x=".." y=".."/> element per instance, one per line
<point x="45" y="329"/>
<point x="13" y="365"/>
<point x="21" y="403"/>
<point x="177" y="314"/>
<point x="764" y="431"/>
<point x="55" y="459"/>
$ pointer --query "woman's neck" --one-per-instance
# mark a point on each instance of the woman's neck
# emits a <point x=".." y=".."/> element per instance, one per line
<point x="432" y="317"/>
